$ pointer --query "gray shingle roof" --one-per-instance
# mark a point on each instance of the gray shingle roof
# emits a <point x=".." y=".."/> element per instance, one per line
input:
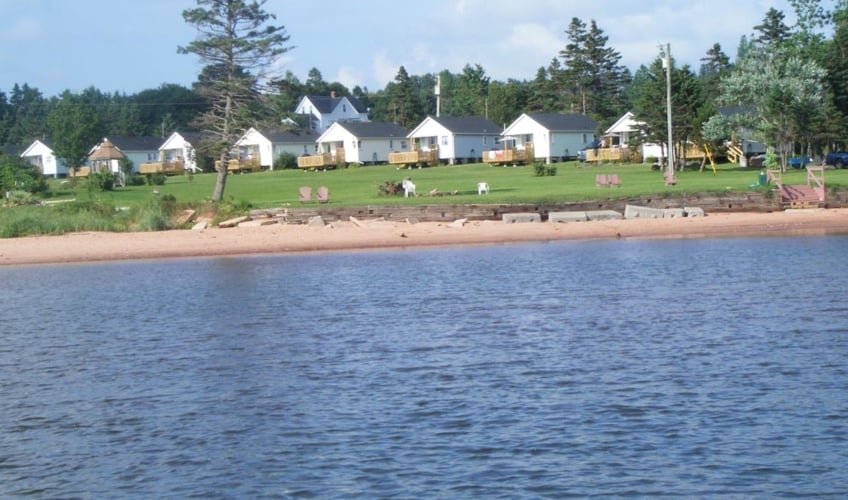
<point x="564" y="123"/>
<point x="136" y="143"/>
<point x="289" y="135"/>
<point x="735" y="110"/>
<point x="326" y="104"/>
<point x="466" y="125"/>
<point x="374" y="130"/>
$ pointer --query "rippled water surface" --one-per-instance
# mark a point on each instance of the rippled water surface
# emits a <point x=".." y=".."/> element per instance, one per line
<point x="690" y="368"/>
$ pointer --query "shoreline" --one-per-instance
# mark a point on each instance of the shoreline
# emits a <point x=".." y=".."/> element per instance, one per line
<point x="88" y="247"/>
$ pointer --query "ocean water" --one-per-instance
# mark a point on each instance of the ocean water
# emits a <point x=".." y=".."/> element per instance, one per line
<point x="709" y="368"/>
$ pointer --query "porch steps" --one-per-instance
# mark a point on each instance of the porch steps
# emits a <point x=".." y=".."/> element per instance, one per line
<point x="801" y="196"/>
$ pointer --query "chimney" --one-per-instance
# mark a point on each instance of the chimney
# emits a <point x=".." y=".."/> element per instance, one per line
<point x="333" y="94"/>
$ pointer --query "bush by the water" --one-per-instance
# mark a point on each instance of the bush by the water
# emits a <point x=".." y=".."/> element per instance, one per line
<point x="542" y="170"/>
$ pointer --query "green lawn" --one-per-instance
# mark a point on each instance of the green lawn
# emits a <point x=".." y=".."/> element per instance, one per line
<point x="358" y="186"/>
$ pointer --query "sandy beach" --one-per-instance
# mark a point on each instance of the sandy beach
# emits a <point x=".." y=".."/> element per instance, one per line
<point x="346" y="236"/>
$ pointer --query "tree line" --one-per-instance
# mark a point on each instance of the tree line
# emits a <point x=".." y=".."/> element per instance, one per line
<point x="791" y="80"/>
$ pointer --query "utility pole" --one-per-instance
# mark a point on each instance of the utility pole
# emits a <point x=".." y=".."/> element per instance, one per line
<point x="666" y="53"/>
<point x="438" y="93"/>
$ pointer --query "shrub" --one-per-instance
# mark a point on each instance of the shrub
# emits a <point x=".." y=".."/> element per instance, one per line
<point x="285" y="160"/>
<point x="103" y="181"/>
<point x="136" y="180"/>
<point x="156" y="179"/>
<point x="542" y="170"/>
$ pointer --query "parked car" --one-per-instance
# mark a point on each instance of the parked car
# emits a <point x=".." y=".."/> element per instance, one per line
<point x="800" y="161"/>
<point x="837" y="159"/>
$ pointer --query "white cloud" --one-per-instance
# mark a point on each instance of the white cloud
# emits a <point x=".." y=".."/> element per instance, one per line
<point x="349" y="77"/>
<point x="383" y="69"/>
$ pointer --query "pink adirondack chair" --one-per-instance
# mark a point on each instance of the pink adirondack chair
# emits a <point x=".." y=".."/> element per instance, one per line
<point x="614" y="180"/>
<point x="670" y="180"/>
<point x="323" y="194"/>
<point x="305" y="195"/>
<point x="601" y="180"/>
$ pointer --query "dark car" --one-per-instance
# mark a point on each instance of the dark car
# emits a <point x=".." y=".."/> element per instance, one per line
<point x="837" y="159"/>
<point x="799" y="161"/>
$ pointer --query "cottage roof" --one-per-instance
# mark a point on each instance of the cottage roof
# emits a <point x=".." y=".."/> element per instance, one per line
<point x="564" y="122"/>
<point x="467" y="125"/>
<point x="280" y="135"/>
<point x="326" y="103"/>
<point x="106" y="151"/>
<point x="373" y="130"/>
<point x="136" y="143"/>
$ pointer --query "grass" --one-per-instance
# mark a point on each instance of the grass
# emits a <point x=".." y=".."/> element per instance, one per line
<point x="148" y="208"/>
<point x="358" y="186"/>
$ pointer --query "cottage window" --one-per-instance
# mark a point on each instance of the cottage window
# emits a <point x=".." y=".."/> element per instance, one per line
<point x="444" y="140"/>
<point x="344" y="108"/>
<point x="403" y="145"/>
<point x="485" y="139"/>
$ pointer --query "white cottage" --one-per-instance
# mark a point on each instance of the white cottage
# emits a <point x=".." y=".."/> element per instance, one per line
<point x="554" y="136"/>
<point x="181" y="147"/>
<point x="624" y="130"/>
<point x="459" y="138"/>
<point x="269" y="144"/>
<point x="40" y="155"/>
<point x="324" y="111"/>
<point x="364" y="142"/>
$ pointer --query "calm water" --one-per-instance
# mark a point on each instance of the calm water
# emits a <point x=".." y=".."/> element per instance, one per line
<point x="623" y="368"/>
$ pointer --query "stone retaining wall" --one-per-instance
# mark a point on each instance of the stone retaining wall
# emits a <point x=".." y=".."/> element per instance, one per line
<point x="710" y="203"/>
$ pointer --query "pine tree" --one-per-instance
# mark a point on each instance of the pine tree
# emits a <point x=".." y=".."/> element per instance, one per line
<point x="772" y="31"/>
<point x="402" y="101"/>
<point x="235" y="39"/>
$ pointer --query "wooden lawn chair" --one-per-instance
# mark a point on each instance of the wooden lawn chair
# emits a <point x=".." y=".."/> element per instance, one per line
<point x="305" y="195"/>
<point x="613" y="180"/>
<point x="323" y="195"/>
<point x="670" y="180"/>
<point x="601" y="180"/>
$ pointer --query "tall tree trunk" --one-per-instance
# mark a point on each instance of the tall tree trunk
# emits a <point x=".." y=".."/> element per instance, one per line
<point x="221" y="180"/>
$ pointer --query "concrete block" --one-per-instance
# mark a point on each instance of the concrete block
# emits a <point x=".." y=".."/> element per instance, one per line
<point x="603" y="215"/>
<point x="200" y="226"/>
<point x="257" y="223"/>
<point x="673" y="213"/>
<point x="567" y="216"/>
<point x="521" y="217"/>
<point x="316" y="221"/>
<point x="694" y="211"/>
<point x="635" y="212"/>
<point x="458" y="223"/>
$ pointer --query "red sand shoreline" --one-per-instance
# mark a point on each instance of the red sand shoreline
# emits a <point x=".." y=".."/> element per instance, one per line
<point x="345" y="236"/>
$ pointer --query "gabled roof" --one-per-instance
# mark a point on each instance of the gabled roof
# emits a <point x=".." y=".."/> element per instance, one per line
<point x="136" y="143"/>
<point x="564" y="123"/>
<point x="467" y="125"/>
<point x="289" y="135"/>
<point x="326" y="104"/>
<point x="627" y="123"/>
<point x="373" y="130"/>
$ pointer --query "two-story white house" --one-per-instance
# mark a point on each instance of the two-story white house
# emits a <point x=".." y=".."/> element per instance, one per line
<point x="40" y="155"/>
<point x="554" y="136"/>
<point x="323" y="111"/>
<point x="364" y="142"/>
<point x="269" y="144"/>
<point x="460" y="139"/>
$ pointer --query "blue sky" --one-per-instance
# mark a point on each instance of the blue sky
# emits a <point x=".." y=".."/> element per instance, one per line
<point x="131" y="45"/>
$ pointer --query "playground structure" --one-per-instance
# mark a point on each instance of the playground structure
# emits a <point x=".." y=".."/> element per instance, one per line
<point x="514" y="155"/>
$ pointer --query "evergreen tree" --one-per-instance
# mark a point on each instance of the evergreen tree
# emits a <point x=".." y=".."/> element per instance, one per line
<point x="235" y="38"/>
<point x="402" y="101"/>
<point x="772" y="30"/>
<point x="540" y="93"/>
<point x="714" y="66"/>
<point x="28" y="110"/>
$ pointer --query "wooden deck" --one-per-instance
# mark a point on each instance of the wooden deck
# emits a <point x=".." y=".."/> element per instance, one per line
<point x="510" y="156"/>
<point x="412" y="158"/>
<point x="162" y="167"/>
<point x="319" y="161"/>
<point x="239" y="166"/>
